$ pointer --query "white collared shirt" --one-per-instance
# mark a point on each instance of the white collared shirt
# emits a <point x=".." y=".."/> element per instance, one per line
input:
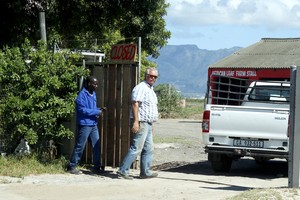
<point x="144" y="93"/>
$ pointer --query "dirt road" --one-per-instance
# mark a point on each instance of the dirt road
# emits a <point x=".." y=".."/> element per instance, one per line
<point x="184" y="174"/>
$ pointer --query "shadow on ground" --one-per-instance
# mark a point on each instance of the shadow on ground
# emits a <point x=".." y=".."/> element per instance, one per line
<point x="243" y="168"/>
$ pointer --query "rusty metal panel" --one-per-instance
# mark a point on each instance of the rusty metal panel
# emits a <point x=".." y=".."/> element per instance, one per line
<point x="104" y="116"/>
<point x="100" y="72"/>
<point x="111" y="111"/>
<point x="126" y="105"/>
<point x="119" y="116"/>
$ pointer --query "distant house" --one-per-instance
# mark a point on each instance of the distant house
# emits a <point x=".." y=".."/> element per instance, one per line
<point x="268" y="59"/>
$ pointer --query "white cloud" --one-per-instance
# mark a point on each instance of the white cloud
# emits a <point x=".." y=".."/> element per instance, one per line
<point x="272" y="14"/>
<point x="215" y="24"/>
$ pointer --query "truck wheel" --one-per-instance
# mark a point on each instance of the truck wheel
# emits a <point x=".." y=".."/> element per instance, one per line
<point x="261" y="160"/>
<point x="220" y="162"/>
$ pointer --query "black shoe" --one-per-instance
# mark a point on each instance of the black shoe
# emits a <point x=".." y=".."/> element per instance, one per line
<point x="125" y="176"/>
<point x="153" y="175"/>
<point x="74" y="171"/>
<point x="98" y="171"/>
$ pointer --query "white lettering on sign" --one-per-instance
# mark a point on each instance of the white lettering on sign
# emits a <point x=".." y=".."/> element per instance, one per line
<point x="239" y="73"/>
<point x="220" y="73"/>
<point x="251" y="73"/>
<point x="229" y="73"/>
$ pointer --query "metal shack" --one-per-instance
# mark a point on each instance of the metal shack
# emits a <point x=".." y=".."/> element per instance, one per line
<point x="268" y="59"/>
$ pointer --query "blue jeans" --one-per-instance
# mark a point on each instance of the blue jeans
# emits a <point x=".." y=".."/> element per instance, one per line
<point x="84" y="133"/>
<point x="142" y="143"/>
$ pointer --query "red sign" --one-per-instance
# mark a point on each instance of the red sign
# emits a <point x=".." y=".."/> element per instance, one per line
<point x="123" y="52"/>
<point x="235" y="73"/>
<point x="252" y="73"/>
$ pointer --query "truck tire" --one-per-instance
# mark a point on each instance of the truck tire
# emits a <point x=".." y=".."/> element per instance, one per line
<point x="220" y="162"/>
<point x="261" y="160"/>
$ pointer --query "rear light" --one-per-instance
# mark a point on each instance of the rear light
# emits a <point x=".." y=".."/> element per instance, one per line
<point x="205" y="121"/>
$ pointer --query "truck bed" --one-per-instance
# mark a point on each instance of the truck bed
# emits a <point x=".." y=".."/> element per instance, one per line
<point x="249" y="122"/>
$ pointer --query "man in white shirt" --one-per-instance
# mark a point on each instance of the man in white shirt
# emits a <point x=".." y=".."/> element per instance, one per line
<point x="144" y="113"/>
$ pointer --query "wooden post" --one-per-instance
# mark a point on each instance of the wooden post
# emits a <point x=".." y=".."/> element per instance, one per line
<point x="294" y="138"/>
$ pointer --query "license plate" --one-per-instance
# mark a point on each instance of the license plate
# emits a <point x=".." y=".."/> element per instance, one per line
<point x="248" y="143"/>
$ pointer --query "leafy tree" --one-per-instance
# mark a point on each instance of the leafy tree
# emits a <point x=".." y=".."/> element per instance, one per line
<point x="145" y="63"/>
<point x="77" y="20"/>
<point x="39" y="89"/>
<point x="145" y="19"/>
<point x="168" y="99"/>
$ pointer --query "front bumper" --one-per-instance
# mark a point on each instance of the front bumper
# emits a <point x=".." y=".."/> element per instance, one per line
<point x="251" y="152"/>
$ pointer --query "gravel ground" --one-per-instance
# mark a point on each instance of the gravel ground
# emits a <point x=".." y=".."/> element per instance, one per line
<point x="184" y="173"/>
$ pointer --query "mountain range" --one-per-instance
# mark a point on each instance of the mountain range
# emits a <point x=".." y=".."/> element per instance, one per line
<point x="185" y="67"/>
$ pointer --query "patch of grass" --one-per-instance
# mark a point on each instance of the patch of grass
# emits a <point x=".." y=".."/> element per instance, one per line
<point x="159" y="139"/>
<point x="4" y="181"/>
<point x="258" y="194"/>
<point x="174" y="140"/>
<point x="193" y="110"/>
<point x="20" y="166"/>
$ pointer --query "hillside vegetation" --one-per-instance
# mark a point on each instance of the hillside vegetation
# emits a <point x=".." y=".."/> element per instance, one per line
<point x="185" y="67"/>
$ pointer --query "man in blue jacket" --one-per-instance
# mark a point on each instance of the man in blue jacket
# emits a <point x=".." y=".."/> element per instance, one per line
<point x="87" y="122"/>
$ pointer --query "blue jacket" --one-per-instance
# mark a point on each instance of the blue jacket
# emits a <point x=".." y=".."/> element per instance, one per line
<point x="86" y="108"/>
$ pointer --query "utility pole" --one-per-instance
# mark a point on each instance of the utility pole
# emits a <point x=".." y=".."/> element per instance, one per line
<point x="42" y="21"/>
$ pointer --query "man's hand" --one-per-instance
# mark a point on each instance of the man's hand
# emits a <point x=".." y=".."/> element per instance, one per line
<point x="135" y="128"/>
<point x="103" y="108"/>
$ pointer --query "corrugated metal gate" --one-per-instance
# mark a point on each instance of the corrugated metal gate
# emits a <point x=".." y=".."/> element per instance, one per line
<point x="116" y="82"/>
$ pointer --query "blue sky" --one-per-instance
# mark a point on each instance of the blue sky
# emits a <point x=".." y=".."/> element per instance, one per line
<point x="219" y="24"/>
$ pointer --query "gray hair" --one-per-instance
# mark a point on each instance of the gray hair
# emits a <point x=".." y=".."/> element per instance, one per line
<point x="150" y="69"/>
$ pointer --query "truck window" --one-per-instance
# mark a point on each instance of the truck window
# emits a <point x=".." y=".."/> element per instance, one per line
<point x="265" y="93"/>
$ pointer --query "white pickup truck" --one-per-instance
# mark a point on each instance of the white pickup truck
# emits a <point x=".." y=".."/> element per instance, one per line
<point x="257" y="127"/>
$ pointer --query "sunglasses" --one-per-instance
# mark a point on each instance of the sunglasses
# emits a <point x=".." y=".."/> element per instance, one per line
<point x="152" y="76"/>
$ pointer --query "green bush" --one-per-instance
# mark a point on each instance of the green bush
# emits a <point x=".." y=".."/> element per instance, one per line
<point x="168" y="99"/>
<point x="170" y="104"/>
<point x="38" y="89"/>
